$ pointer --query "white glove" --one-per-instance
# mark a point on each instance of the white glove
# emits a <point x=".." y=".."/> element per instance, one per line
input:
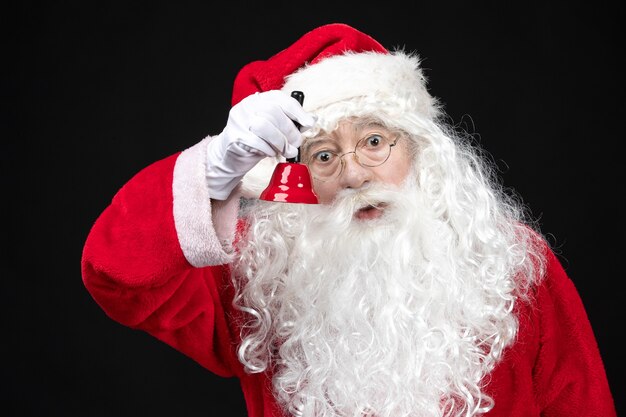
<point x="259" y="126"/>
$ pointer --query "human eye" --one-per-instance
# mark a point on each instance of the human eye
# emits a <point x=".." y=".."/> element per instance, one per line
<point x="373" y="142"/>
<point x="322" y="157"/>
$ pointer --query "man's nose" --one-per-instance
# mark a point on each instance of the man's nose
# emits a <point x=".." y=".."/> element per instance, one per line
<point x="353" y="174"/>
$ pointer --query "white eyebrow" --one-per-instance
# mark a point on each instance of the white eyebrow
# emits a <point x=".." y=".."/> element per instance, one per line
<point x="314" y="141"/>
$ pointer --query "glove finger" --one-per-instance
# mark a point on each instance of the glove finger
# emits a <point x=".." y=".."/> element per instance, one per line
<point x="242" y="128"/>
<point x="254" y="146"/>
<point x="290" y="151"/>
<point x="297" y="114"/>
<point x="279" y="133"/>
<point x="275" y="102"/>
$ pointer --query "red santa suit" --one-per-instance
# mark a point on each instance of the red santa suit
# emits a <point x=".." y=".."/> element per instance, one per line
<point x="153" y="261"/>
<point x="157" y="259"/>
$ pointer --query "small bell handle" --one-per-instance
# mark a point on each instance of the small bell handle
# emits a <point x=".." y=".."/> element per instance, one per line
<point x="299" y="96"/>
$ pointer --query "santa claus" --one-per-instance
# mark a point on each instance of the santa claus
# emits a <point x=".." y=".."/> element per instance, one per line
<point x="416" y="287"/>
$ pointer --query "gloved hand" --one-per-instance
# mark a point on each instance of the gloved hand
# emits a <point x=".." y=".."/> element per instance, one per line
<point x="259" y="126"/>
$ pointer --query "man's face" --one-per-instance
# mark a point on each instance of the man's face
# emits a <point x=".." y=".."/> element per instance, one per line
<point x="353" y="175"/>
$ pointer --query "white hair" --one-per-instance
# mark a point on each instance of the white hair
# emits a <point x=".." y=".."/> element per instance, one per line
<point x="401" y="316"/>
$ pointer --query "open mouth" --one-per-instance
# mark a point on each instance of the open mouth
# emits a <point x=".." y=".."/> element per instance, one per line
<point x="370" y="211"/>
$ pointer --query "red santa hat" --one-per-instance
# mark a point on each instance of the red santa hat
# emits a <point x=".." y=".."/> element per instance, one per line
<point x="322" y="42"/>
<point x="342" y="72"/>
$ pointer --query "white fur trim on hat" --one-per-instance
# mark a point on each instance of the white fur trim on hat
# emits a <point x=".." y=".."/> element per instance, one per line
<point x="392" y="79"/>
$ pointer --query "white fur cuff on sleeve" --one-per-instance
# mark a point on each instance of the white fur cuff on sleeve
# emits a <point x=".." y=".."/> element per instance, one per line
<point x="192" y="210"/>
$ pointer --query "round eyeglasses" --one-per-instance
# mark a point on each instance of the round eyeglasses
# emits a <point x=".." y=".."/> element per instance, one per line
<point x="371" y="151"/>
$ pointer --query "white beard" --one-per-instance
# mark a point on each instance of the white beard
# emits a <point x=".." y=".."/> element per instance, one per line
<point x="389" y="317"/>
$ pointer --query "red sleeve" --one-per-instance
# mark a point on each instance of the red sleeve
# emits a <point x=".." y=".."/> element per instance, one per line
<point x="569" y="375"/>
<point x="135" y="269"/>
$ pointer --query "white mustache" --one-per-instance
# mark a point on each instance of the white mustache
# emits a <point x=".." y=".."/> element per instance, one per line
<point x="340" y="213"/>
<point x="370" y="195"/>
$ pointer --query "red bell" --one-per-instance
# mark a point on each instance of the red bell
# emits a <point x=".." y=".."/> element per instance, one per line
<point x="291" y="180"/>
<point x="291" y="183"/>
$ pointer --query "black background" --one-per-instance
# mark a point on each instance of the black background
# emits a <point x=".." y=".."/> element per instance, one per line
<point x="94" y="92"/>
